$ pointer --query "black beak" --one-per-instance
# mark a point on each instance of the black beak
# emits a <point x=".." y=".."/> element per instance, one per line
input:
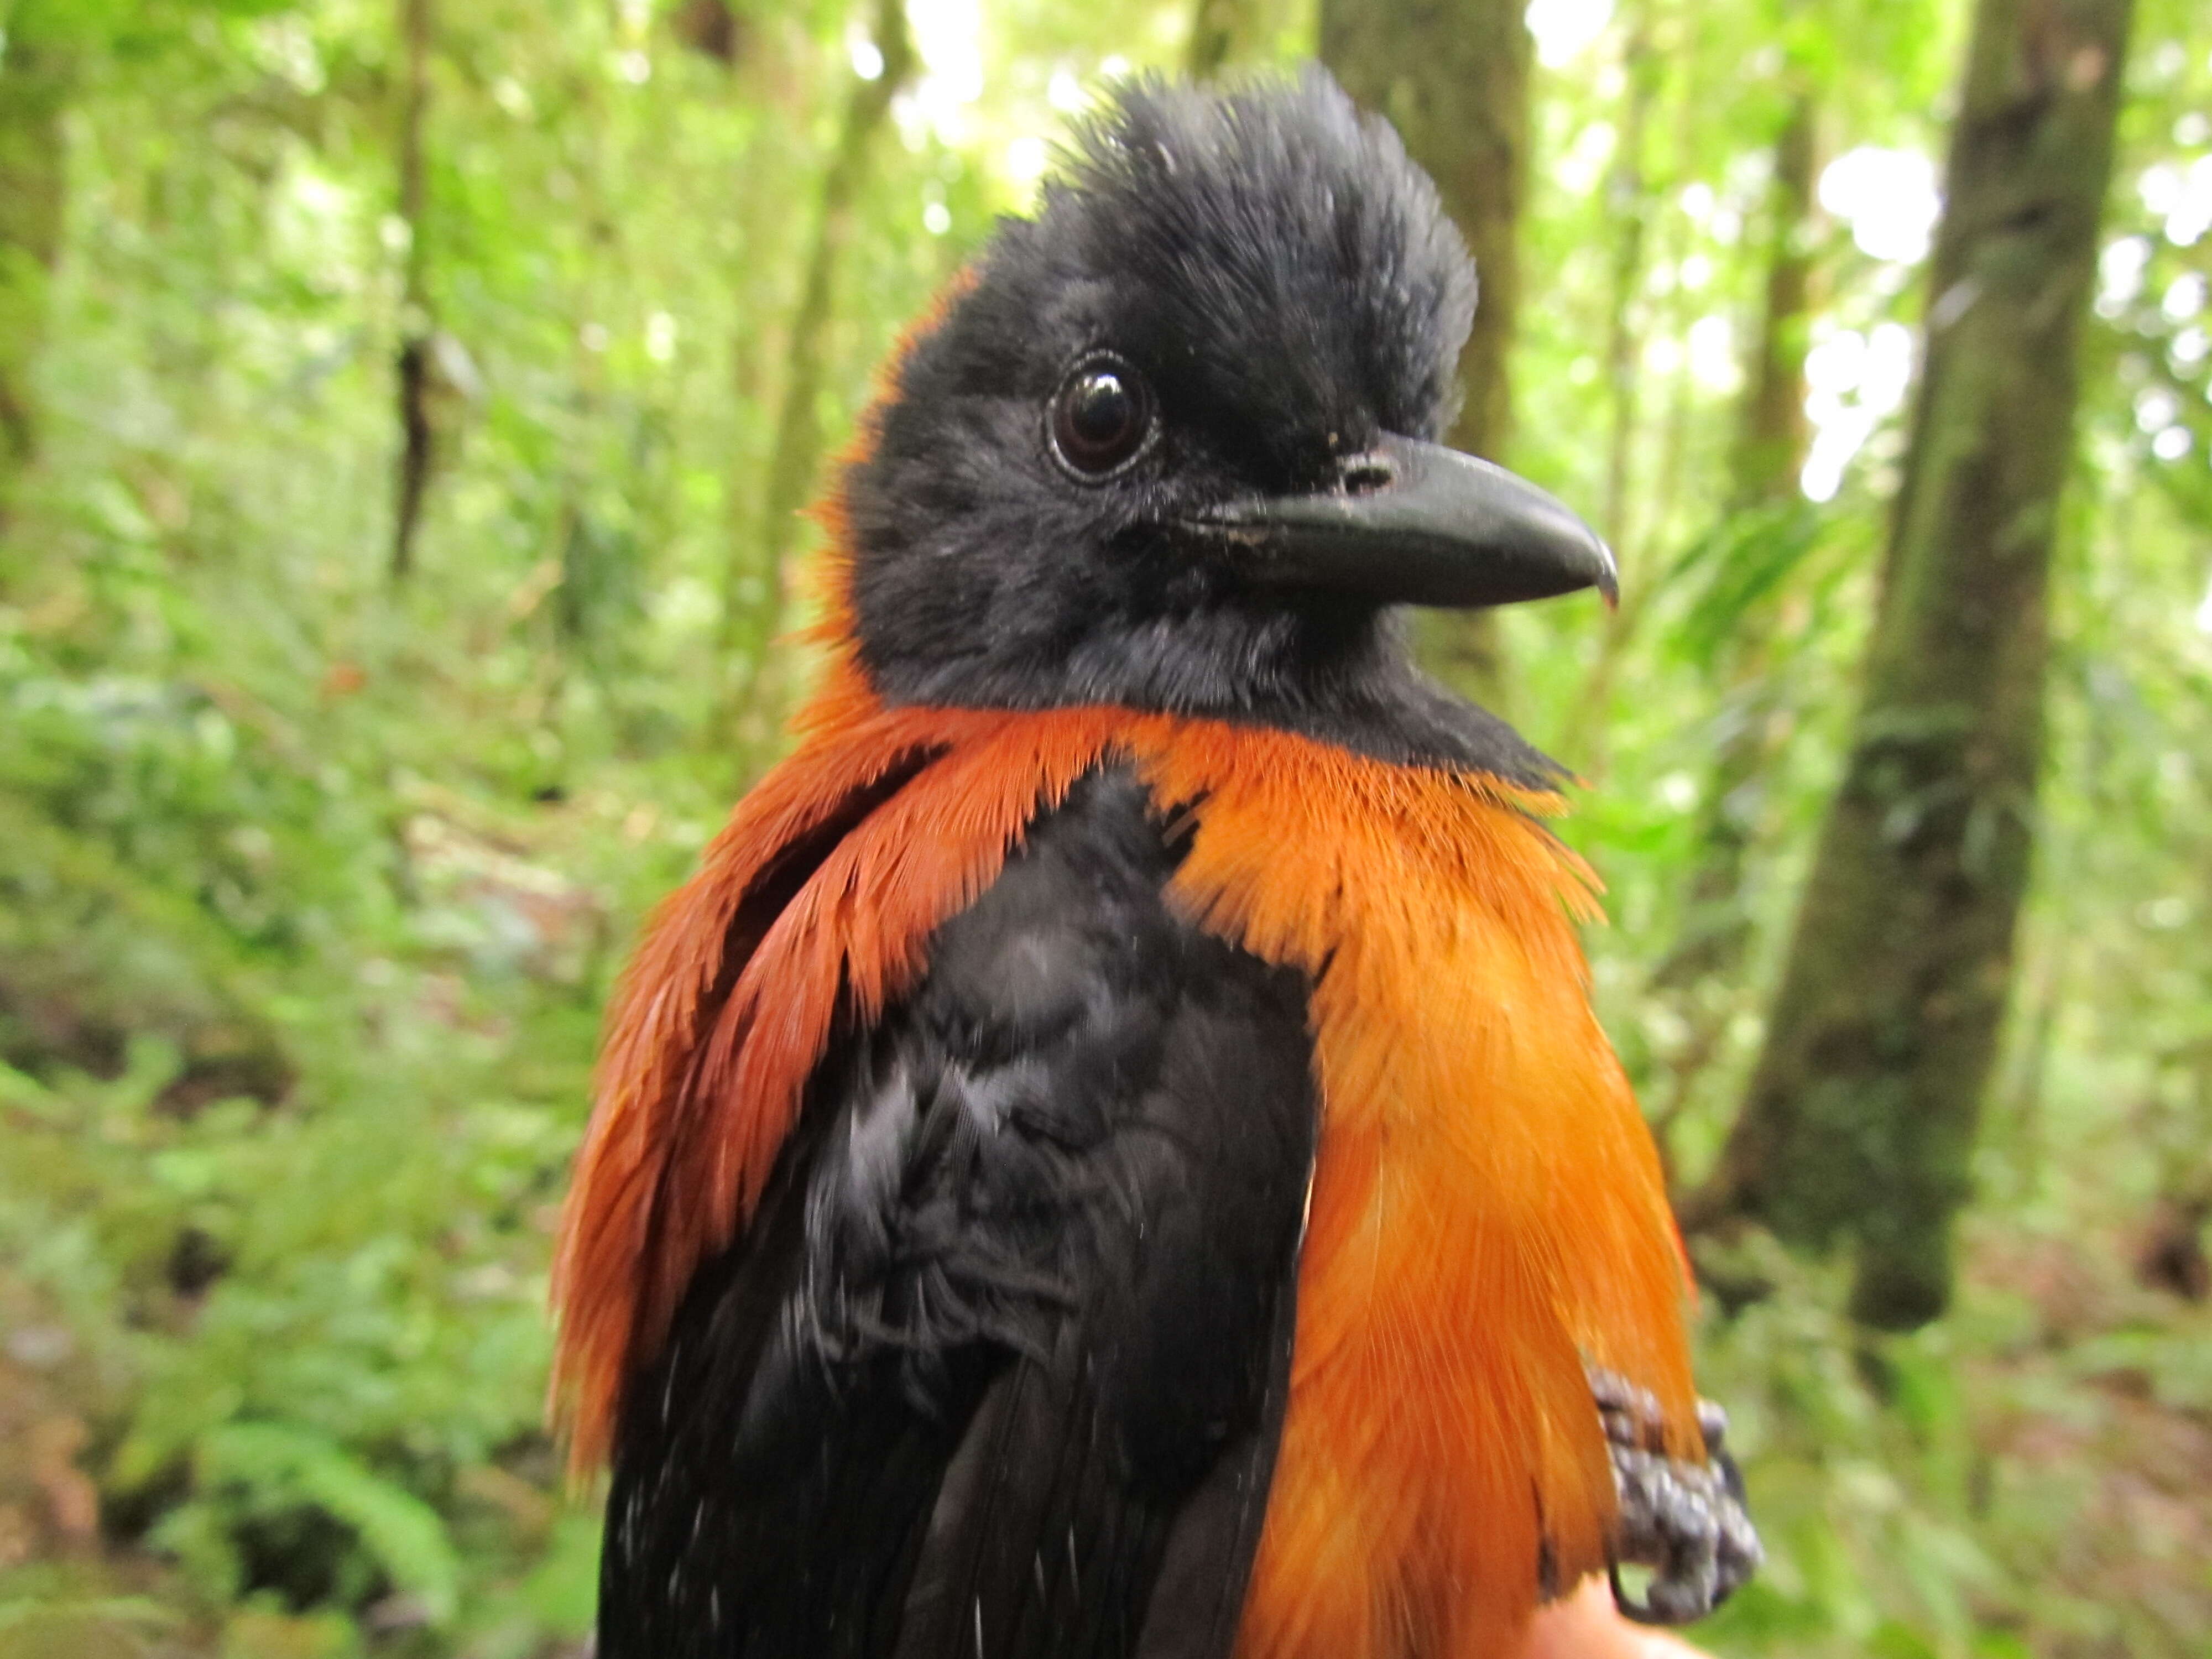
<point x="1414" y="523"/>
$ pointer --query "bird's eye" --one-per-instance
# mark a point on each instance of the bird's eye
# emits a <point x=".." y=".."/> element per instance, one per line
<point x="1101" y="416"/>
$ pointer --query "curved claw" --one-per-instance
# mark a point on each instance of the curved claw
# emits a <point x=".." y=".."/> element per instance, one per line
<point x="1686" y="1521"/>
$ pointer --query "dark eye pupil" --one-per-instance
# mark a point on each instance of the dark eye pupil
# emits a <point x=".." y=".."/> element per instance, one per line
<point x="1101" y="408"/>
<point x="1101" y="417"/>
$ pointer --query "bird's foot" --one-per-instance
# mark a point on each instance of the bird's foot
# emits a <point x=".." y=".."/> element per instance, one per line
<point x="1685" y="1521"/>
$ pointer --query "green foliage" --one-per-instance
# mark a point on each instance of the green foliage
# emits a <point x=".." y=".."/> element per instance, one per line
<point x="250" y="1474"/>
<point x="310" y="890"/>
<point x="1735" y="571"/>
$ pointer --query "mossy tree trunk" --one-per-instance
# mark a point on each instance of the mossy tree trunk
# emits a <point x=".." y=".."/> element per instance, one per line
<point x="412" y="383"/>
<point x="1860" y="1118"/>
<point x="1452" y="75"/>
<point x="748" y="631"/>
<point x="1769" y="450"/>
<point x="33" y="185"/>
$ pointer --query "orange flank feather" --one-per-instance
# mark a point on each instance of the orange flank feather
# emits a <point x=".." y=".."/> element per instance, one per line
<point x="817" y="897"/>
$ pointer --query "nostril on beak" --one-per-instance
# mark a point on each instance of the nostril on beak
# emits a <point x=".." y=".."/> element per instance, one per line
<point x="1362" y="475"/>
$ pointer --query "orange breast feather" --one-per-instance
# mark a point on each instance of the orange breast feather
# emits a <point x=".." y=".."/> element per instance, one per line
<point x="1486" y="1210"/>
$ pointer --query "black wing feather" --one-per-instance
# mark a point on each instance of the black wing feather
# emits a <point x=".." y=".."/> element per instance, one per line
<point x="998" y="1371"/>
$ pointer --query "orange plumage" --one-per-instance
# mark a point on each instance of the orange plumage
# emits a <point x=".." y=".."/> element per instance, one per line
<point x="1487" y="1213"/>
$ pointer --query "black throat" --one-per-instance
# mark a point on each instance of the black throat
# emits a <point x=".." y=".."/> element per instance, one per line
<point x="1343" y="679"/>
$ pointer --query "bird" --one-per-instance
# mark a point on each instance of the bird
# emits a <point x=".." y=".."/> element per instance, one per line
<point x="1111" y="1153"/>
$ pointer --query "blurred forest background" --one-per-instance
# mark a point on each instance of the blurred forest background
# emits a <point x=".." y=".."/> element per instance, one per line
<point x="404" y="406"/>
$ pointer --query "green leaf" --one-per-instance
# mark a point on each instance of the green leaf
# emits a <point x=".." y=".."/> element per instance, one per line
<point x="279" y="1464"/>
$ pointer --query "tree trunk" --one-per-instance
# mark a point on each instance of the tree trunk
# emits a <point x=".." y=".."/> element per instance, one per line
<point x="415" y="325"/>
<point x="1626" y="203"/>
<point x="747" y="639"/>
<point x="1224" y="33"/>
<point x="33" y="182"/>
<point x="1768" y="454"/>
<point x="1626" y="192"/>
<point x="710" y="27"/>
<point x="1860" y="1118"/>
<point x="1769" y="445"/>
<point x="1454" y="79"/>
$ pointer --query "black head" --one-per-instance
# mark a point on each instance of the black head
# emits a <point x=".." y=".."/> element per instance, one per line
<point x="1172" y="444"/>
